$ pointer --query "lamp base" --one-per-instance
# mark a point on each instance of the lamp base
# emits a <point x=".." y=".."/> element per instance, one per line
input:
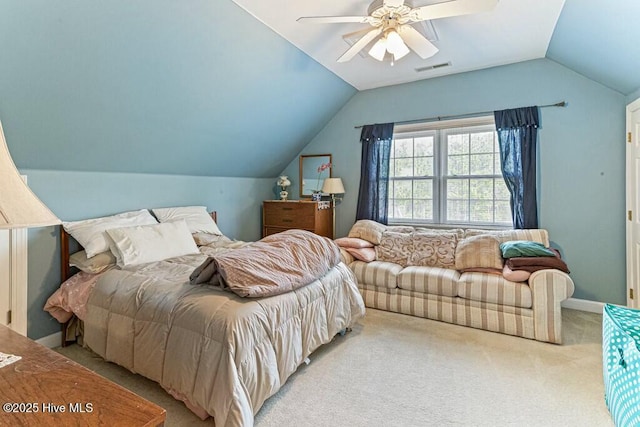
<point x="284" y="194"/>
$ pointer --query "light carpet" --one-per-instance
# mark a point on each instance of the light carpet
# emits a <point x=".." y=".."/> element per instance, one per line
<point x="398" y="370"/>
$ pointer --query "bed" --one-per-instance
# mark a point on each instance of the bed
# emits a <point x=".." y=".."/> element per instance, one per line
<point x="222" y="354"/>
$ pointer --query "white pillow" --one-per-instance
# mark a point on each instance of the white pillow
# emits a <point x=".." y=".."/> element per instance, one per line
<point x="149" y="243"/>
<point x="197" y="218"/>
<point x="90" y="233"/>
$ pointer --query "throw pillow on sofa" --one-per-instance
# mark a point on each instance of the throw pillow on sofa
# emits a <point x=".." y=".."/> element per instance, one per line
<point x="368" y="230"/>
<point x="481" y="251"/>
<point x="395" y="247"/>
<point x="524" y="248"/>
<point x="353" y="242"/>
<point x="434" y="249"/>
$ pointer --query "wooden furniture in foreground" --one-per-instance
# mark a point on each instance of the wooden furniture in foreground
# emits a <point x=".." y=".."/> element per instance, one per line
<point x="45" y="388"/>
<point x="278" y="216"/>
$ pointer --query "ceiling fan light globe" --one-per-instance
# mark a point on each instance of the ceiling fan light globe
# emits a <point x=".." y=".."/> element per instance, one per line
<point x="379" y="49"/>
<point x="401" y="53"/>
<point x="395" y="42"/>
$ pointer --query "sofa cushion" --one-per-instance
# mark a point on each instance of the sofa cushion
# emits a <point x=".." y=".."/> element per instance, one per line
<point x="431" y="280"/>
<point x="434" y="249"/>
<point x="376" y="273"/>
<point x="539" y="235"/>
<point x="481" y="251"/>
<point x="368" y="230"/>
<point x="395" y="247"/>
<point x="494" y="289"/>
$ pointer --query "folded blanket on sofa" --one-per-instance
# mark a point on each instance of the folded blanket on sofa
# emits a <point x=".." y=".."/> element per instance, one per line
<point x="277" y="264"/>
<point x="532" y="264"/>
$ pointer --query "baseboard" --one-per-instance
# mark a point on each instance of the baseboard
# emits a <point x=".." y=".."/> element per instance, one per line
<point x="583" y="305"/>
<point x="51" y="341"/>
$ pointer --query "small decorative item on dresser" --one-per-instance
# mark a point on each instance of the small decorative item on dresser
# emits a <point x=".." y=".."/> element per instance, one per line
<point x="283" y="183"/>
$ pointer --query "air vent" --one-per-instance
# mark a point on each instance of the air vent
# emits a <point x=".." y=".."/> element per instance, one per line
<point x="433" y="67"/>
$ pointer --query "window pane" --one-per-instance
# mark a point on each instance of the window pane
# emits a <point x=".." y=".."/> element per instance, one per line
<point x="482" y="142"/>
<point x="403" y="148"/>
<point x="458" y="210"/>
<point x="403" y="190"/>
<point x="481" y="189"/>
<point x="424" y="146"/>
<point x="403" y="167"/>
<point x="424" y="166"/>
<point x="497" y="167"/>
<point x="481" y="164"/>
<point x="457" y="189"/>
<point x="458" y="165"/>
<point x="423" y="209"/>
<point x="402" y="209"/>
<point x="423" y="189"/>
<point x="458" y="144"/>
<point x="481" y="211"/>
<point x="503" y="212"/>
<point x="502" y="192"/>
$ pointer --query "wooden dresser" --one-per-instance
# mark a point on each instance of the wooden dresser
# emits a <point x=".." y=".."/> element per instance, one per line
<point x="45" y="388"/>
<point x="278" y="216"/>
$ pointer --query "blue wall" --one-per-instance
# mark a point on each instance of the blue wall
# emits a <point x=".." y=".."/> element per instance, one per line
<point x="165" y="88"/>
<point x="156" y="86"/>
<point x="81" y="195"/>
<point x="581" y="156"/>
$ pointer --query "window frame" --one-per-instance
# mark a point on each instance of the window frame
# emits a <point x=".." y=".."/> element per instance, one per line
<point x="440" y="130"/>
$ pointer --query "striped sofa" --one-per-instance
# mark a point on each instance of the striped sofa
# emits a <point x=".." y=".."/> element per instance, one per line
<point x="529" y="309"/>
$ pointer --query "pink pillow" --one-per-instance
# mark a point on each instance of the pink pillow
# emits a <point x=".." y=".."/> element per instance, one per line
<point x="515" y="275"/>
<point x="353" y="242"/>
<point x="363" y="254"/>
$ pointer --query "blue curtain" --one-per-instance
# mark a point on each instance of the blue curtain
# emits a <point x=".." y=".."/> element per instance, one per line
<point x="517" y="134"/>
<point x="374" y="176"/>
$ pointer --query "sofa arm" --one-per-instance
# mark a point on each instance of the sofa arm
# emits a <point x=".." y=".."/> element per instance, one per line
<point x="548" y="289"/>
<point x="347" y="258"/>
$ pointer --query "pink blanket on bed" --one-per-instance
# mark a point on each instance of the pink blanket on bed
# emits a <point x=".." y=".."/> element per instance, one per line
<point x="274" y="265"/>
<point x="71" y="297"/>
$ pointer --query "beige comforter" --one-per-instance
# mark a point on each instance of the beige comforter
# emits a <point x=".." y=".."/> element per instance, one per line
<point x="274" y="265"/>
<point x="218" y="351"/>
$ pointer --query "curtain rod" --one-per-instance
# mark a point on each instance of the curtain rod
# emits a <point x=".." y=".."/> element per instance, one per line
<point x="461" y="116"/>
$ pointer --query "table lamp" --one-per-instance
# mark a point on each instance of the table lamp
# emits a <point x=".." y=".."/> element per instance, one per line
<point x="19" y="208"/>
<point x="333" y="186"/>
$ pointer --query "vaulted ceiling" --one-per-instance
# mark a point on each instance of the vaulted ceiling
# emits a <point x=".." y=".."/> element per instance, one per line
<point x="205" y="88"/>
<point x="593" y="37"/>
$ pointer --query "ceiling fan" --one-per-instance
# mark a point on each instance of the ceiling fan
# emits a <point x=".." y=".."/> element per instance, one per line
<point x="392" y="21"/>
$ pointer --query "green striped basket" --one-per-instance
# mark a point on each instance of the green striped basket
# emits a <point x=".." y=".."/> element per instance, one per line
<point x="621" y="364"/>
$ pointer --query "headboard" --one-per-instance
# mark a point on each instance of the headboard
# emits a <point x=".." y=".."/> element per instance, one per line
<point x="66" y="239"/>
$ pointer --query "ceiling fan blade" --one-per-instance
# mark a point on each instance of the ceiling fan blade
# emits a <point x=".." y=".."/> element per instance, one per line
<point x="334" y="19"/>
<point x="453" y="8"/>
<point x="416" y="41"/>
<point x="393" y="3"/>
<point x="360" y="44"/>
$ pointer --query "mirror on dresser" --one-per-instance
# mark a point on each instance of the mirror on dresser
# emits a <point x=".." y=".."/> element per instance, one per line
<point x="310" y="179"/>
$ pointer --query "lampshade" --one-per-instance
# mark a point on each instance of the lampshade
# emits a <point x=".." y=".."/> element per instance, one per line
<point x="379" y="49"/>
<point x="395" y="44"/>
<point x="19" y="207"/>
<point x="400" y="52"/>
<point x="333" y="186"/>
<point x="283" y="181"/>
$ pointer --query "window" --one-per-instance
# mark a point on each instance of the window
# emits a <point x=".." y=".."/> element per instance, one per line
<point x="448" y="173"/>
